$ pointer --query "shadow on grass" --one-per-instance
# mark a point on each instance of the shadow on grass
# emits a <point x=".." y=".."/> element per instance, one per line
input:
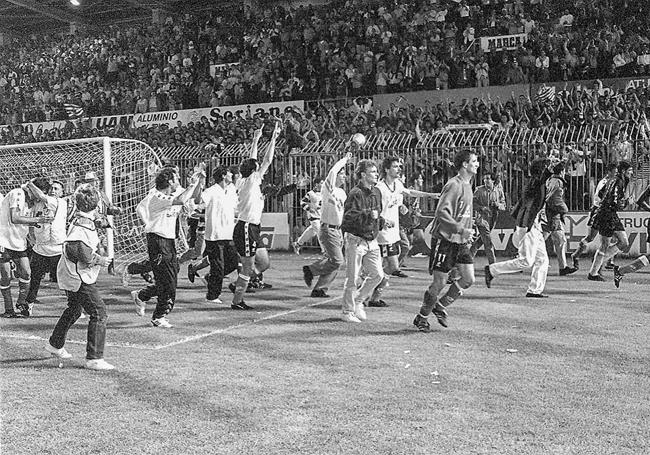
<point x="25" y="360"/>
<point x="178" y="401"/>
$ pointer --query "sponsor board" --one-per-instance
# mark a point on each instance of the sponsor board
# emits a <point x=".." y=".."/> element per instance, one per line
<point x="275" y="231"/>
<point x="608" y="87"/>
<point x="38" y="126"/>
<point x="575" y="225"/>
<point x="185" y="116"/>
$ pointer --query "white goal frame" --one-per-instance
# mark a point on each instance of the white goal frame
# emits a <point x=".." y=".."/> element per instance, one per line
<point x="19" y="155"/>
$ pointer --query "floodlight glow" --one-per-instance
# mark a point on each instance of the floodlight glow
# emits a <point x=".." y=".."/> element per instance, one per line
<point x="75" y="2"/>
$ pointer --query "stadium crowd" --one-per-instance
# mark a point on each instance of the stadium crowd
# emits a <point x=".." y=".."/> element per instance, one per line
<point x="350" y="49"/>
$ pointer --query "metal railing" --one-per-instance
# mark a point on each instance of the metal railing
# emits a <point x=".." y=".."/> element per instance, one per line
<point x="586" y="149"/>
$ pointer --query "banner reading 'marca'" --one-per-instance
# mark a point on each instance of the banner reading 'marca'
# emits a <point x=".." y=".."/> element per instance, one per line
<point x="503" y="42"/>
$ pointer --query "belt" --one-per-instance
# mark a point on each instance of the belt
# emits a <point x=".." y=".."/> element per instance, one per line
<point x="314" y="219"/>
<point x="332" y="226"/>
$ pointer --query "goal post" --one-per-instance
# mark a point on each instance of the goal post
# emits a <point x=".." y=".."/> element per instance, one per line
<point x="126" y="170"/>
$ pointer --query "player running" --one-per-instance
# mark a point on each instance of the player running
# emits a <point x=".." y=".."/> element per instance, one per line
<point x="591" y="234"/>
<point x="451" y="234"/>
<point x="607" y="221"/>
<point x="642" y="261"/>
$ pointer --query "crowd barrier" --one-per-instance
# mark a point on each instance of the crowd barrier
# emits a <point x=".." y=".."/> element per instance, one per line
<point x="587" y="148"/>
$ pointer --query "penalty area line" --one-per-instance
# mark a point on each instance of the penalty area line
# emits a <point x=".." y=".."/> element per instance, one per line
<point x="243" y="324"/>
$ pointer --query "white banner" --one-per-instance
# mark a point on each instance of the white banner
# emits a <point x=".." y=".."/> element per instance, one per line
<point x="185" y="116"/>
<point x="503" y="42"/>
<point x="37" y="126"/>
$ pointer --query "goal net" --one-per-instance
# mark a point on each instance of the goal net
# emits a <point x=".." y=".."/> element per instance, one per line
<point x="126" y="169"/>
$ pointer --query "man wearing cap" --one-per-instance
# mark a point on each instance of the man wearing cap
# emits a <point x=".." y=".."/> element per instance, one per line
<point x="104" y="209"/>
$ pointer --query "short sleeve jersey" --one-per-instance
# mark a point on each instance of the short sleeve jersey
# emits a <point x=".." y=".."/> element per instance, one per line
<point x="251" y="200"/>
<point x="392" y="197"/>
<point x="220" y="205"/>
<point x="163" y="214"/>
<point x="49" y="238"/>
<point x="14" y="236"/>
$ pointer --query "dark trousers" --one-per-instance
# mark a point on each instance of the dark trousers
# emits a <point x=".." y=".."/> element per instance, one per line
<point x="138" y="268"/>
<point x="40" y="265"/>
<point x="88" y="299"/>
<point x="223" y="259"/>
<point x="164" y="263"/>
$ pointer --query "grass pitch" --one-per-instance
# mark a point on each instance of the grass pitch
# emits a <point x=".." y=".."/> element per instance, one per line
<point x="563" y="375"/>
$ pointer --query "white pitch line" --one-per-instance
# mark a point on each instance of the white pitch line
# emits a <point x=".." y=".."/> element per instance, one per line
<point x="157" y="347"/>
<point x="243" y="324"/>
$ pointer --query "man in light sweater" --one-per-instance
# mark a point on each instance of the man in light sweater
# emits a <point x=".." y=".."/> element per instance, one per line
<point x="333" y="197"/>
<point x="77" y="274"/>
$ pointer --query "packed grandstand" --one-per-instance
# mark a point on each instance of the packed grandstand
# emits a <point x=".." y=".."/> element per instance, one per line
<point x="532" y="76"/>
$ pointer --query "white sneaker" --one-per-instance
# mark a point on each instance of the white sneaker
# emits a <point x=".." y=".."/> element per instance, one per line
<point x="126" y="277"/>
<point x="218" y="301"/>
<point x="360" y="313"/>
<point x="139" y="304"/>
<point x="60" y="353"/>
<point x="98" y="365"/>
<point x="161" y="322"/>
<point x="419" y="255"/>
<point x="349" y="317"/>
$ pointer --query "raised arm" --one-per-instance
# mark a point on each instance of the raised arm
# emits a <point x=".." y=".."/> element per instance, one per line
<point x="257" y="134"/>
<point x="330" y="180"/>
<point x="270" y="153"/>
<point x="192" y="190"/>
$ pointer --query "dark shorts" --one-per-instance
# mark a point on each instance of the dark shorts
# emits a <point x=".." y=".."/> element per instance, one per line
<point x="389" y="250"/>
<point x="445" y="255"/>
<point x="8" y="255"/>
<point x="607" y="223"/>
<point x="247" y="238"/>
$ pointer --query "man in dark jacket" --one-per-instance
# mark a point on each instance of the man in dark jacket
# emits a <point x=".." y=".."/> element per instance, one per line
<point x="528" y="237"/>
<point x="361" y="223"/>
<point x="556" y="209"/>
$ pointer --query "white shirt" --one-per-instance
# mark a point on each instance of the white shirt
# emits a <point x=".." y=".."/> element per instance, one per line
<point x="333" y="197"/>
<point x="14" y="236"/>
<point x="49" y="238"/>
<point x="220" y="206"/>
<point x="251" y="200"/>
<point x="391" y="200"/>
<point x="162" y="214"/>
